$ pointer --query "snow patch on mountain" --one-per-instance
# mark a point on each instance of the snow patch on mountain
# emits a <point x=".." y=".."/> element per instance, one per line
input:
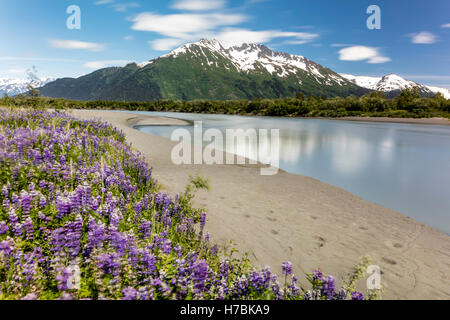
<point x="13" y="87"/>
<point x="443" y="91"/>
<point x="144" y="64"/>
<point x="362" y="81"/>
<point x="393" y="82"/>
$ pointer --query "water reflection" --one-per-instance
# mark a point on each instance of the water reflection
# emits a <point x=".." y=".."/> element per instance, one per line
<point x="404" y="167"/>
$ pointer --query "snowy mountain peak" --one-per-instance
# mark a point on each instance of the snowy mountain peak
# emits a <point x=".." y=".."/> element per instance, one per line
<point x="14" y="87"/>
<point x="393" y="82"/>
<point x="252" y="57"/>
<point x="212" y="44"/>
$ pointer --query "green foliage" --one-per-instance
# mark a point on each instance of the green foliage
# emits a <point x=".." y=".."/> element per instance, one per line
<point x="407" y="105"/>
<point x="199" y="182"/>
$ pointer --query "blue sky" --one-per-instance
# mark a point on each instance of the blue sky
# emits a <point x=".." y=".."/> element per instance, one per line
<point x="414" y="39"/>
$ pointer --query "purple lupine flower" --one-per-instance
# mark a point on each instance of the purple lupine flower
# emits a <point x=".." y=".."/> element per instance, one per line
<point x="30" y="296"/>
<point x="17" y="230"/>
<point x="58" y="239"/>
<point x="66" y="296"/>
<point x="148" y="262"/>
<point x="96" y="235"/>
<point x="42" y="184"/>
<point x="357" y="295"/>
<point x="199" y="274"/>
<point x="178" y="250"/>
<point x="129" y="293"/>
<point x="342" y="295"/>
<point x="29" y="229"/>
<point x="166" y="246"/>
<point x="267" y="274"/>
<point x="329" y="286"/>
<point x="73" y="236"/>
<point x="317" y="275"/>
<point x="203" y="220"/>
<point x="214" y="250"/>
<point x="6" y="247"/>
<point x="75" y="199"/>
<point x="276" y="287"/>
<point x="256" y="281"/>
<point x="293" y="287"/>
<point x="6" y="204"/>
<point x="42" y="202"/>
<point x="108" y="264"/>
<point x="224" y="269"/>
<point x="15" y="201"/>
<point x="63" y="206"/>
<point x="3" y="227"/>
<point x="287" y="268"/>
<point x="5" y="190"/>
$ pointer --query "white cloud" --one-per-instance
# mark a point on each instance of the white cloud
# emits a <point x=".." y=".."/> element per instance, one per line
<point x="3" y="58"/>
<point x="128" y="38"/>
<point x="177" y="29"/>
<point x="337" y="45"/>
<point x="119" y="7"/>
<point x="122" y="7"/>
<point x="379" y="59"/>
<point x="184" y="25"/>
<point x="447" y="25"/>
<point x="165" y="44"/>
<point x="198" y="5"/>
<point x="231" y="36"/>
<point x="105" y="64"/>
<point x="360" y="53"/>
<point x="76" y="45"/>
<point x="101" y="2"/>
<point x="423" y="37"/>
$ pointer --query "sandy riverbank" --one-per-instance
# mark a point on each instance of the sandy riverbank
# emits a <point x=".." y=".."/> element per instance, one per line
<point x="296" y="218"/>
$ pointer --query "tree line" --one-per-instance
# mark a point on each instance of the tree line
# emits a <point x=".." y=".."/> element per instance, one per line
<point x="408" y="104"/>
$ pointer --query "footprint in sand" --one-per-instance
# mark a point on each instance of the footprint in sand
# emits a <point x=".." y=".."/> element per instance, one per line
<point x="274" y="232"/>
<point x="271" y="219"/>
<point x="398" y="245"/>
<point x="321" y="241"/>
<point x="389" y="261"/>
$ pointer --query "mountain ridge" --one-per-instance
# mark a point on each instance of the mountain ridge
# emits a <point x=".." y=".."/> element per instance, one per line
<point x="207" y="70"/>
<point x="392" y="84"/>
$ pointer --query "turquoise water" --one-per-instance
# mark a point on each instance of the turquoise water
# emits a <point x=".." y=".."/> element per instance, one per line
<point x="405" y="167"/>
